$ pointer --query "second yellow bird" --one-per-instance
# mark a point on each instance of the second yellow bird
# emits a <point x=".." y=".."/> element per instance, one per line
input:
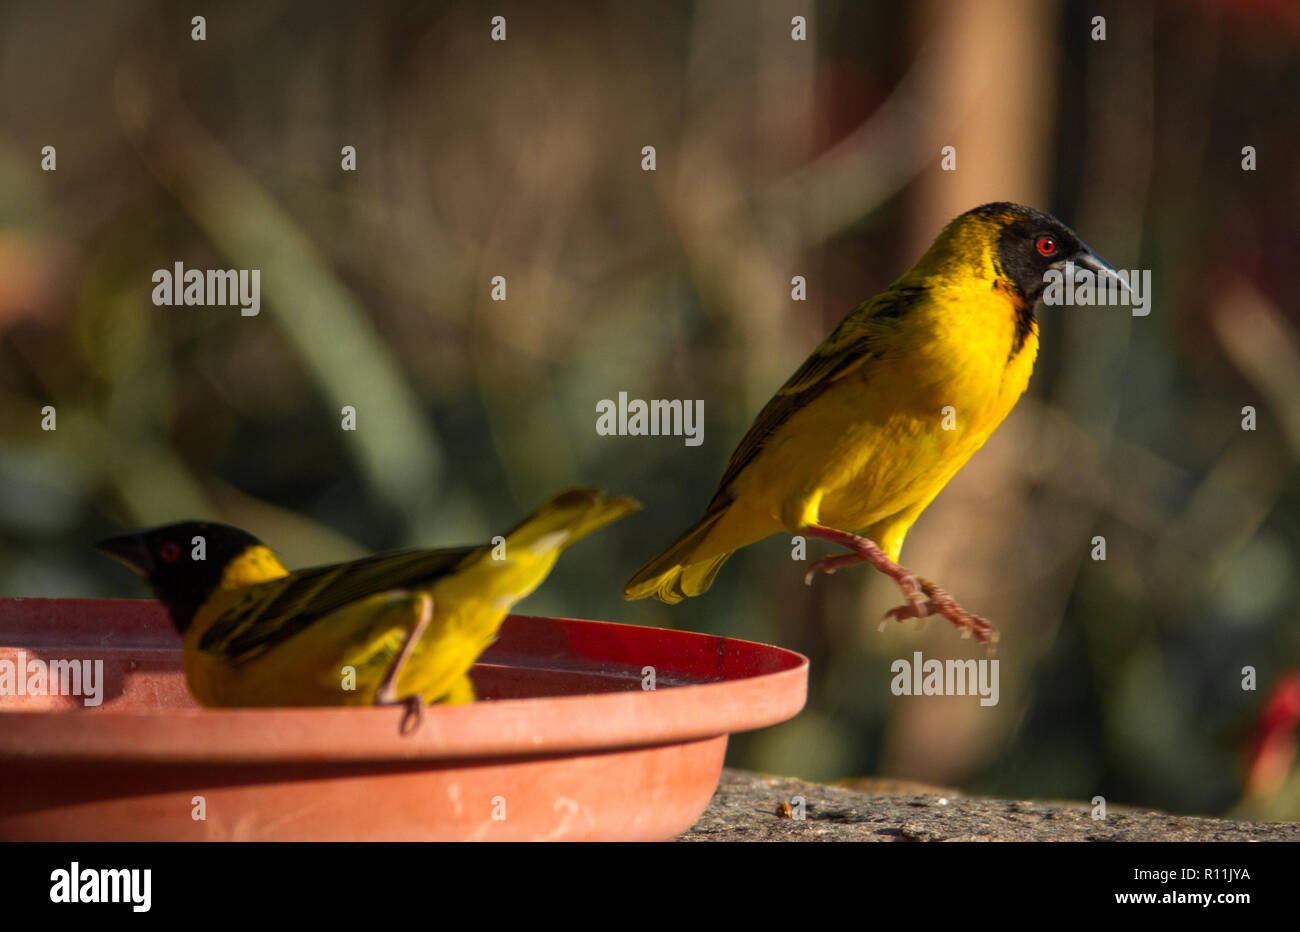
<point x="856" y="439"/>
<point x="398" y="627"/>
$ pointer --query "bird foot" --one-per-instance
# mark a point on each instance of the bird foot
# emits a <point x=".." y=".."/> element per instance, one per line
<point x="924" y="599"/>
<point x="941" y="603"/>
<point x="387" y="694"/>
<point x="829" y="565"/>
<point x="412" y="718"/>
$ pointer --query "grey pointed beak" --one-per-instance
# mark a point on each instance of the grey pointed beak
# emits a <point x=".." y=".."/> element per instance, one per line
<point x="1085" y="258"/>
<point x="130" y="549"/>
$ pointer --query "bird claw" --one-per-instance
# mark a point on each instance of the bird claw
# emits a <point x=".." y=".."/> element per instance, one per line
<point x="413" y="717"/>
<point x="913" y="591"/>
<point x="412" y="714"/>
<point x="924" y="599"/>
<point x="829" y="565"/>
<point x="969" y="625"/>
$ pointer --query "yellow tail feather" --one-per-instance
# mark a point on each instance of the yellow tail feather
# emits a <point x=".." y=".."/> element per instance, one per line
<point x="678" y="572"/>
<point x="568" y="517"/>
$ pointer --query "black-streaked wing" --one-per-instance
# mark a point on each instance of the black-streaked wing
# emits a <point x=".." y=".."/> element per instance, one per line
<point x="860" y="336"/>
<point x="272" y="612"/>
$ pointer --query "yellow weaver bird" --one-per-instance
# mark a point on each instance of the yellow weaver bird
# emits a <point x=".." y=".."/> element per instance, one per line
<point x="410" y="624"/>
<point x="855" y="440"/>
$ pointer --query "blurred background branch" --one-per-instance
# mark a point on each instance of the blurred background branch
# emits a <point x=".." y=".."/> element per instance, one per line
<point x="775" y="158"/>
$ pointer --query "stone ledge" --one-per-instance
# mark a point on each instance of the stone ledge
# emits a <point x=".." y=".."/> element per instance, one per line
<point x="746" y="808"/>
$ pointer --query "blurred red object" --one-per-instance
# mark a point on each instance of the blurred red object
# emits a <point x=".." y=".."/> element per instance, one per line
<point x="1273" y="744"/>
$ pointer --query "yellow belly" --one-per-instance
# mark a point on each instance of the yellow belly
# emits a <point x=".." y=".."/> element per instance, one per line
<point x="343" y="658"/>
<point x="876" y="447"/>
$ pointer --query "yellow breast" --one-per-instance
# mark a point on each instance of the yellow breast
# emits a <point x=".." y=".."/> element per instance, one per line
<point x="890" y="436"/>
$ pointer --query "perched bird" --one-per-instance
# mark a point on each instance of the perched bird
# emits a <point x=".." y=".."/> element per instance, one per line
<point x="857" y="442"/>
<point x="410" y="624"/>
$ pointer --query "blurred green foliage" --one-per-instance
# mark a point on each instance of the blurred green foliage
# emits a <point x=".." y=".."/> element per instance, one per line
<point x="775" y="158"/>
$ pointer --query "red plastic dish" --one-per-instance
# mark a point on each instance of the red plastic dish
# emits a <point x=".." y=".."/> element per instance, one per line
<point x="566" y="744"/>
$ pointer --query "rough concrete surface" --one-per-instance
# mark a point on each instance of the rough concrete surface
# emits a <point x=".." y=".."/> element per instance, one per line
<point x="748" y="807"/>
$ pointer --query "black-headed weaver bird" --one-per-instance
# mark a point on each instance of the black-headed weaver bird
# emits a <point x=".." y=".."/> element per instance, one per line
<point x="409" y="625"/>
<point x="853" y="447"/>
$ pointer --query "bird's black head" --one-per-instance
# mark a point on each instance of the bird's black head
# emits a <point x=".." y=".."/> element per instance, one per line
<point x="1031" y="243"/>
<point x="183" y="562"/>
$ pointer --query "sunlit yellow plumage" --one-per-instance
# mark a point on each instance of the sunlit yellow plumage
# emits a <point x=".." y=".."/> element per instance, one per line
<point x="886" y="410"/>
<point x="255" y="634"/>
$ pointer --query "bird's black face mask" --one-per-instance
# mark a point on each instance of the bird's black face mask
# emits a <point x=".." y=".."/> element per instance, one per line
<point x="182" y="562"/>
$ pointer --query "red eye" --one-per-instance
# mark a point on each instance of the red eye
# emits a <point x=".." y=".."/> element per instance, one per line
<point x="169" y="552"/>
<point x="1046" y="245"/>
